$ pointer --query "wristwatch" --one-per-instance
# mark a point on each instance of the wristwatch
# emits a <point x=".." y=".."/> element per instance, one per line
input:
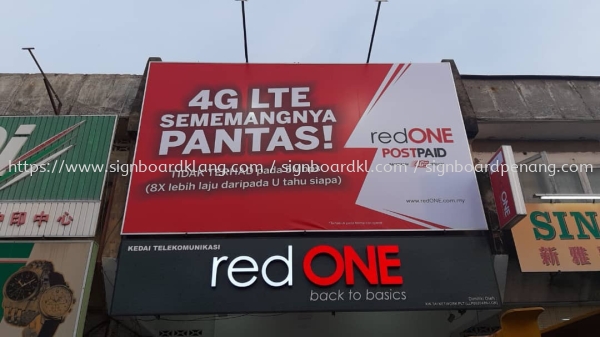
<point x="21" y="292"/>
<point x="56" y="302"/>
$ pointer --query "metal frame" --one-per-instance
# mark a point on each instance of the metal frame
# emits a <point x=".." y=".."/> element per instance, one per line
<point x="530" y="159"/>
<point x="572" y="196"/>
<point x="544" y="157"/>
<point x="583" y="179"/>
<point x="547" y="162"/>
<point x="587" y="180"/>
<point x="515" y="185"/>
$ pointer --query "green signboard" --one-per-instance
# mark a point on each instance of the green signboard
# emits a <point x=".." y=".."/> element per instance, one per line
<point x="52" y="174"/>
<point x="54" y="157"/>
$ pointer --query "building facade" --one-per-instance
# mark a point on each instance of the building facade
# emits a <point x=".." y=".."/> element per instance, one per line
<point x="548" y="259"/>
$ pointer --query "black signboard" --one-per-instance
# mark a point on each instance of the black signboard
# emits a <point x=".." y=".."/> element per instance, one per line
<point x="244" y="275"/>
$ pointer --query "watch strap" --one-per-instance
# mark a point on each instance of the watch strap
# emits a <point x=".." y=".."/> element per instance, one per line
<point x="19" y="317"/>
<point x="49" y="328"/>
<point x="56" y="279"/>
<point x="45" y="266"/>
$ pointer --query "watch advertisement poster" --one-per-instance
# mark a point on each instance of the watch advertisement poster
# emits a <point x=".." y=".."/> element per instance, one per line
<point x="187" y="276"/>
<point x="52" y="174"/>
<point x="301" y="147"/>
<point x="45" y="285"/>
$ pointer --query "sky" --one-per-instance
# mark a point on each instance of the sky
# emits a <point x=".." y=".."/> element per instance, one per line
<point x="487" y="37"/>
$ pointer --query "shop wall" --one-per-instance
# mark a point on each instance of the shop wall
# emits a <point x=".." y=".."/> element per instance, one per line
<point x="553" y="316"/>
<point x="380" y="324"/>
<point x="554" y="157"/>
<point x="527" y="98"/>
<point x="547" y="288"/>
<point x="322" y="324"/>
<point x="582" y="162"/>
<point x="25" y="94"/>
<point x="492" y="97"/>
<point x="544" y="288"/>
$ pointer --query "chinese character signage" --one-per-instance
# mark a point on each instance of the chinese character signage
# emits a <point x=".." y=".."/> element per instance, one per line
<point x="301" y="147"/>
<point x="45" y="286"/>
<point x="184" y="276"/>
<point x="508" y="195"/>
<point x="52" y="173"/>
<point x="559" y="237"/>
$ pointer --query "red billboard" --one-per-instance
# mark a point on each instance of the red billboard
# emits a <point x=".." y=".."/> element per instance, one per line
<point x="290" y="147"/>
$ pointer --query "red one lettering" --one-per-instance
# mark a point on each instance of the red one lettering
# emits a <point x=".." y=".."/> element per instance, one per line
<point x="316" y="279"/>
<point x="375" y="270"/>
<point x="385" y="263"/>
<point x="447" y="134"/>
<point x="369" y="271"/>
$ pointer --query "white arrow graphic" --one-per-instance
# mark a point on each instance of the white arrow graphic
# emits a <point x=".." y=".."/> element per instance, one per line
<point x="419" y="96"/>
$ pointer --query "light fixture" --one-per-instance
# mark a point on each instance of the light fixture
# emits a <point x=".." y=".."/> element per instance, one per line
<point x="566" y="319"/>
<point x="568" y="196"/>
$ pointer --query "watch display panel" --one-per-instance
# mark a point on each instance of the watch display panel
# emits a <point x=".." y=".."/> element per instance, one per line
<point x="22" y="286"/>
<point x="56" y="301"/>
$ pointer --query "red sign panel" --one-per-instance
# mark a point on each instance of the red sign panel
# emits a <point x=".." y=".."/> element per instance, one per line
<point x="288" y="147"/>
<point x="506" y="187"/>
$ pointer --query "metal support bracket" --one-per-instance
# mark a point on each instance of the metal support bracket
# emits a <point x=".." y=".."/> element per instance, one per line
<point x="244" y="26"/>
<point x="374" y="28"/>
<point x="51" y="93"/>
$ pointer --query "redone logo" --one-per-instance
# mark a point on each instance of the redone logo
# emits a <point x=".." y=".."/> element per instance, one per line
<point x="233" y="269"/>
<point x="375" y="270"/>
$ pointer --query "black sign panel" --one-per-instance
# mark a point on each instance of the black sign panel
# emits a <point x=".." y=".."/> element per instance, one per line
<point x="244" y="275"/>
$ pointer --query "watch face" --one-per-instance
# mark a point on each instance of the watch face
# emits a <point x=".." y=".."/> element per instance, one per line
<point x="22" y="286"/>
<point x="56" y="301"/>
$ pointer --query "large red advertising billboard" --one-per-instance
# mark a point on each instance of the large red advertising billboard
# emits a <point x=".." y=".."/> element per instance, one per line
<point x="301" y="147"/>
